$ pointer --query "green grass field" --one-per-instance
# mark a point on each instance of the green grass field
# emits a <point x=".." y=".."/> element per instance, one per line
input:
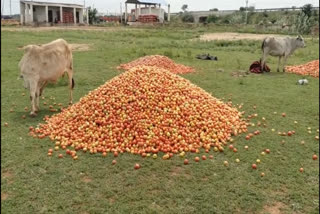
<point x="32" y="182"/>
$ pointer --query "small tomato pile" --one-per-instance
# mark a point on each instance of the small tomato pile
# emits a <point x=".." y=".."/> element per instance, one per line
<point x="142" y="111"/>
<point x="158" y="61"/>
<point x="310" y="68"/>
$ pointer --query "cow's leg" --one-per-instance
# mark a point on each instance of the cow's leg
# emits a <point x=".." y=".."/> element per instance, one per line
<point x="42" y="87"/>
<point x="284" y="63"/>
<point x="263" y="60"/>
<point x="33" y="91"/>
<point x="37" y="98"/>
<point x="279" y="63"/>
<point x="71" y="85"/>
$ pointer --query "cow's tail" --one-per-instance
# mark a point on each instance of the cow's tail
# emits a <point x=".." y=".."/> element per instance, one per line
<point x="73" y="84"/>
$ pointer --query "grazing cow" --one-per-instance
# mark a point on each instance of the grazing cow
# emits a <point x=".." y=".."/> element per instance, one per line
<point x="281" y="47"/>
<point x="42" y="64"/>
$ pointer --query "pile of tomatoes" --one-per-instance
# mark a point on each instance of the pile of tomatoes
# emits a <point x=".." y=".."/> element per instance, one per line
<point x="310" y="68"/>
<point x="158" y="61"/>
<point x="144" y="111"/>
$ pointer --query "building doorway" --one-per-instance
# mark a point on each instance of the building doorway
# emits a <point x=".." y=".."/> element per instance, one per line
<point x="50" y="18"/>
<point x="77" y="17"/>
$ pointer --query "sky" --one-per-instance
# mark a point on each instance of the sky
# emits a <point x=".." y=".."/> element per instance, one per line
<point x="113" y="6"/>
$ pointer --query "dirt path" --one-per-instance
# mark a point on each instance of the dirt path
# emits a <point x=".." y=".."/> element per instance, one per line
<point x="234" y="36"/>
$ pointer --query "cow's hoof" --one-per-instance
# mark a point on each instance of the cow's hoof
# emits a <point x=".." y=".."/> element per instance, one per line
<point x="278" y="70"/>
<point x="33" y="114"/>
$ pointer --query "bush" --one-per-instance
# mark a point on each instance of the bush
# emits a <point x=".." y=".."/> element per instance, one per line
<point x="187" y="17"/>
<point x="212" y="19"/>
<point x="303" y="24"/>
<point x="237" y="18"/>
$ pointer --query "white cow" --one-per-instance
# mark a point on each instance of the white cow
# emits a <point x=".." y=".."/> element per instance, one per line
<point x="281" y="47"/>
<point x="46" y="63"/>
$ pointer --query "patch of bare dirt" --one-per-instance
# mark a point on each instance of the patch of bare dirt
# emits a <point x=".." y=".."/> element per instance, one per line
<point x="240" y="73"/>
<point x="179" y="171"/>
<point x="86" y="179"/>
<point x="112" y="200"/>
<point x="234" y="36"/>
<point x="274" y="208"/>
<point x="74" y="47"/>
<point x="4" y="196"/>
<point x="7" y="175"/>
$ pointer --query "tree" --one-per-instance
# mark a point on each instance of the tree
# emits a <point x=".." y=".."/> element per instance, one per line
<point x="93" y="15"/>
<point x="304" y="22"/>
<point x="265" y="14"/>
<point x="214" y="9"/>
<point x="184" y="8"/>
<point x="307" y="10"/>
<point x="242" y="9"/>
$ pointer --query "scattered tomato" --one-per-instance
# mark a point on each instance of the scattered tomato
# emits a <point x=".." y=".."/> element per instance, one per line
<point x="137" y="166"/>
<point x="185" y="162"/>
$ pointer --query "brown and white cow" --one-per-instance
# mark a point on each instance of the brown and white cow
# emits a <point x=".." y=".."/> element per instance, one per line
<point x="280" y="47"/>
<point x="46" y="63"/>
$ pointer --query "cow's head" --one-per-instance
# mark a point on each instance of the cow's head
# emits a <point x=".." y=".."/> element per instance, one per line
<point x="300" y="42"/>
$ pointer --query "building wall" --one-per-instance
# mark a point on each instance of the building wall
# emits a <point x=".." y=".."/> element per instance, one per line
<point x="22" y="13"/>
<point x="39" y="14"/>
<point x="27" y="14"/>
<point x="80" y="15"/>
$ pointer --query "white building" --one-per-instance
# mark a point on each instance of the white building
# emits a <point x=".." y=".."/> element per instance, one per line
<point x="47" y="13"/>
<point x="144" y="8"/>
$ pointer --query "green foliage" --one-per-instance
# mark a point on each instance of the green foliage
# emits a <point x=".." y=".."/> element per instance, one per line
<point x="237" y="18"/>
<point x="212" y="19"/>
<point x="265" y="14"/>
<point x="187" y="17"/>
<point x="304" y="21"/>
<point x="303" y="24"/>
<point x="93" y="15"/>
<point x="307" y="10"/>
